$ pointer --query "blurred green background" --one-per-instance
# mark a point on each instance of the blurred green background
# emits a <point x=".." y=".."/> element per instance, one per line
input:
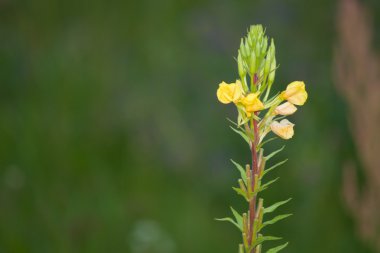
<point x="112" y="140"/>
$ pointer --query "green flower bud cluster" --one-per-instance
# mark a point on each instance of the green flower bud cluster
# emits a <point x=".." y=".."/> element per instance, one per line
<point x="257" y="59"/>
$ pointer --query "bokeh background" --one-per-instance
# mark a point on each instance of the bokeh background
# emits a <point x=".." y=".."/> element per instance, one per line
<point x="112" y="140"/>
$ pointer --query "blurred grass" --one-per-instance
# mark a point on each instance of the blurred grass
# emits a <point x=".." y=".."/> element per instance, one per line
<point x="109" y="120"/>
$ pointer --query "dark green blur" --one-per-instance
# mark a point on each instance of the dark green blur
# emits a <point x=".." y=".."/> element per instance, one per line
<point x="112" y="139"/>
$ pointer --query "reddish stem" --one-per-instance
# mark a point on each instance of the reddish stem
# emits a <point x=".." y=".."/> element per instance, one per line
<point x="255" y="166"/>
<point x="254" y="171"/>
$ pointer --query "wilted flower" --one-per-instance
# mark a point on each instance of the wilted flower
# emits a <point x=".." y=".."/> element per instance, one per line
<point x="228" y="93"/>
<point x="295" y="93"/>
<point x="285" y="109"/>
<point x="284" y="128"/>
<point x="252" y="103"/>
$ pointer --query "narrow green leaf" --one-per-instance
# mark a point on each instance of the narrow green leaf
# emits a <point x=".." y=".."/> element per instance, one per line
<point x="238" y="217"/>
<point x="241" y="133"/>
<point x="233" y="122"/>
<point x="274" y="153"/>
<point x="271" y="101"/>
<point x="274" y="166"/>
<point x="240" y="192"/>
<point x="242" y="171"/>
<point x="241" y="120"/>
<point x="229" y="220"/>
<point x="264" y="186"/>
<point x="275" y="219"/>
<point x="261" y="239"/>
<point x="275" y="206"/>
<point x="266" y="141"/>
<point x="278" y="248"/>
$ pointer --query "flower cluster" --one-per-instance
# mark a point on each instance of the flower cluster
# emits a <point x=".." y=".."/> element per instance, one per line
<point x="248" y="104"/>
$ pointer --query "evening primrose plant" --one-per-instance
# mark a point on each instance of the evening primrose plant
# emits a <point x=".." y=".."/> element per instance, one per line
<point x="259" y="114"/>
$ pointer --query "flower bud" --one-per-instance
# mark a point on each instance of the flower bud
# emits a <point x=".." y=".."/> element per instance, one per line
<point x="268" y="62"/>
<point x="257" y="49"/>
<point x="273" y="50"/>
<point x="272" y="72"/>
<point x="241" y="69"/>
<point x="242" y="49"/>
<point x="264" y="46"/>
<point x="252" y="63"/>
<point x="247" y="49"/>
<point x="241" y="248"/>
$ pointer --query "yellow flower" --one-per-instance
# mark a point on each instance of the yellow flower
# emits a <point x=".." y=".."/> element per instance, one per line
<point x="295" y="93"/>
<point x="284" y="128"/>
<point x="228" y="93"/>
<point x="285" y="109"/>
<point x="252" y="103"/>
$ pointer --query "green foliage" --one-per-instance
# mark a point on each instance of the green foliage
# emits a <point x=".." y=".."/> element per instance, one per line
<point x="260" y="239"/>
<point x="278" y="248"/>
<point x="265" y="142"/>
<point x="238" y="222"/>
<point x="229" y="220"/>
<point x="241" y="192"/>
<point x="274" y="153"/>
<point x="241" y="133"/>
<point x="274" y="166"/>
<point x="266" y="185"/>
<point x="274" y="220"/>
<point x="238" y="218"/>
<point x="276" y="205"/>
<point x="241" y="170"/>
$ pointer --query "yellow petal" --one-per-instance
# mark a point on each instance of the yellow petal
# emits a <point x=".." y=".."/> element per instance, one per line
<point x="223" y="93"/>
<point x="295" y="93"/>
<point x="252" y="103"/>
<point x="228" y="93"/>
<point x="238" y="91"/>
<point x="285" y="109"/>
<point x="284" y="128"/>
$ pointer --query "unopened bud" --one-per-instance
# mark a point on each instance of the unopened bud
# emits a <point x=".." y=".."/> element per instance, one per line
<point x="257" y="48"/>
<point x="252" y="63"/>
<point x="241" y="69"/>
<point x="258" y="249"/>
<point x="247" y="50"/>
<point x="272" y="73"/>
<point x="264" y="46"/>
<point x="242" y="49"/>
<point x="241" y="248"/>
<point x="273" y="50"/>
<point x="267" y="63"/>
